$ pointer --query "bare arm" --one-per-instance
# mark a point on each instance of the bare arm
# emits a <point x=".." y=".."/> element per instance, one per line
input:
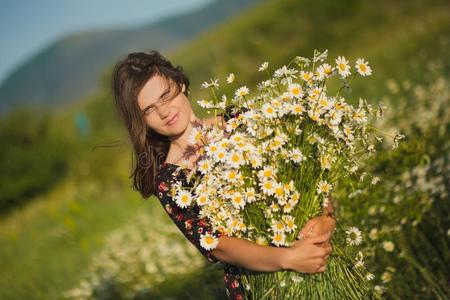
<point x="302" y="256"/>
<point x="250" y="255"/>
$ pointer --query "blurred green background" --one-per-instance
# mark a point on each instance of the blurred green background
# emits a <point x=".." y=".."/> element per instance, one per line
<point x="72" y="227"/>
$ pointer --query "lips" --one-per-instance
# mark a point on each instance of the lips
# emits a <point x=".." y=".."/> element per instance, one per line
<point x="173" y="119"/>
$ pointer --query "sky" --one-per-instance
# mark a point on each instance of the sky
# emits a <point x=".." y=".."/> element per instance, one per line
<point x="27" y="26"/>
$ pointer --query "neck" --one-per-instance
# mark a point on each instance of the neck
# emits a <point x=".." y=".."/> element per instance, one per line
<point x="179" y="143"/>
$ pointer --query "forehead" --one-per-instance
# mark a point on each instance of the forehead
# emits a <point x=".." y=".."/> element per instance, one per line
<point x="152" y="89"/>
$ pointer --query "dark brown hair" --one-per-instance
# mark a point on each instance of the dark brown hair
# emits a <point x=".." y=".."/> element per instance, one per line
<point x="150" y="148"/>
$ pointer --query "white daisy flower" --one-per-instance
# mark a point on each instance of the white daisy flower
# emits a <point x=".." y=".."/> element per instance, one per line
<point x="269" y="111"/>
<point x="279" y="190"/>
<point x="386" y="277"/>
<point x="296" y="278"/>
<point x="306" y="76"/>
<point x="230" y="78"/>
<point x="375" y="179"/>
<point x="388" y="246"/>
<point x="362" y="67"/>
<point x="289" y="221"/>
<point x="373" y="234"/>
<point x="260" y="240"/>
<point x="296" y="155"/>
<point x="238" y="200"/>
<point x="296" y="108"/>
<point x="183" y="198"/>
<point x="255" y="160"/>
<point x="202" y="199"/>
<point x="204" y="103"/>
<point x="250" y="195"/>
<point x="315" y="114"/>
<point x="277" y="142"/>
<point x="335" y="117"/>
<point x="274" y="207"/>
<point x="233" y="223"/>
<point x="241" y="92"/>
<point x="277" y="226"/>
<point x="267" y="173"/>
<point x="289" y="187"/>
<point x="326" y="102"/>
<point x="221" y="155"/>
<point x="263" y="66"/>
<point x="268" y="187"/>
<point x="223" y="144"/>
<point x="379" y="289"/>
<point x="359" y="116"/>
<point x="348" y="132"/>
<point x="295" y="197"/>
<point x="236" y="138"/>
<point x="195" y="136"/>
<point x="324" y="71"/>
<point x="236" y="159"/>
<point x="231" y="175"/>
<point x="213" y="83"/>
<point x="204" y="166"/>
<point x="295" y="90"/>
<point x="342" y="66"/>
<point x="354" y="236"/>
<point x="285" y="72"/>
<point x="369" y="276"/>
<point x="279" y="238"/>
<point x="288" y="207"/>
<point x="211" y="149"/>
<point x="323" y="187"/>
<point x="325" y="161"/>
<point x="208" y="241"/>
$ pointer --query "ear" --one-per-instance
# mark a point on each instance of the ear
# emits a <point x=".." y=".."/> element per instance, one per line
<point x="183" y="88"/>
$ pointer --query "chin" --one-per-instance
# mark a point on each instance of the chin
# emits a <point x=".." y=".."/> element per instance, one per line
<point x="178" y="128"/>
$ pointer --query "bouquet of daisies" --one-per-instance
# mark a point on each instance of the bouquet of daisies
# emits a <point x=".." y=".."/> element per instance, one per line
<point x="272" y="166"/>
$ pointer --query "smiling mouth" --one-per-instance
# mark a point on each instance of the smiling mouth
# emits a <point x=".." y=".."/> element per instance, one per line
<point x="173" y="119"/>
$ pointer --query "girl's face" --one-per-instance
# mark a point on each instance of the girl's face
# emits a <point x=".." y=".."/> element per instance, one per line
<point x="164" y="113"/>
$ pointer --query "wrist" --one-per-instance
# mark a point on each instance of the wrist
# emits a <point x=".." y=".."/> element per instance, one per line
<point x="284" y="258"/>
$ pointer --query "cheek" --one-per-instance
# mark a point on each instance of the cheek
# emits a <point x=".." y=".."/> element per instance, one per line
<point x="154" y="125"/>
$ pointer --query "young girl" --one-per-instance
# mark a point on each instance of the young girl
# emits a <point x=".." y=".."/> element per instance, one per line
<point x="151" y="97"/>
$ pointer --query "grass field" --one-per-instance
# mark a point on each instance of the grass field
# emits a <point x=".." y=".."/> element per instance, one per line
<point x="52" y="242"/>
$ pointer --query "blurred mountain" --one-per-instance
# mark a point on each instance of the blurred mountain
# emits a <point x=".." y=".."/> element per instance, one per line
<point x="70" y="68"/>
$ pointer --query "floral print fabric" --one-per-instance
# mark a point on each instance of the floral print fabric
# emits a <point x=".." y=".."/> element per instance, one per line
<point x="190" y="224"/>
<point x="188" y="221"/>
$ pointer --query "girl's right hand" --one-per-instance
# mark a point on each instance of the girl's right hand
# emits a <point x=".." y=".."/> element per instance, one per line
<point x="307" y="255"/>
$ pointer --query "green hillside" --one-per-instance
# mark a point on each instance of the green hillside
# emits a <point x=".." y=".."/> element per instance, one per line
<point x="389" y="35"/>
<point x="47" y="244"/>
<point x="68" y="69"/>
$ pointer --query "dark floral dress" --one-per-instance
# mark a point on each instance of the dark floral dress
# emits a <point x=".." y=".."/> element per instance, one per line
<point x="188" y="221"/>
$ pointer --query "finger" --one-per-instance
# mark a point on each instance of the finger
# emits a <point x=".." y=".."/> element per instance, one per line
<point x="322" y="269"/>
<point x="319" y="239"/>
<point x="306" y="230"/>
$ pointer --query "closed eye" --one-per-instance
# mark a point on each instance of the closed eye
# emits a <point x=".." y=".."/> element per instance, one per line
<point x="163" y="98"/>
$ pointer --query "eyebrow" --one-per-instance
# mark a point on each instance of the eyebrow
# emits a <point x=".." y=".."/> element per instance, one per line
<point x="162" y="95"/>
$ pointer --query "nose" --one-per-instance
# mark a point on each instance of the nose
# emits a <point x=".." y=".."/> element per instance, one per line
<point x="162" y="110"/>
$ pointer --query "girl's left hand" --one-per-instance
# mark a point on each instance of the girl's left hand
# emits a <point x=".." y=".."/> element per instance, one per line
<point x="317" y="226"/>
